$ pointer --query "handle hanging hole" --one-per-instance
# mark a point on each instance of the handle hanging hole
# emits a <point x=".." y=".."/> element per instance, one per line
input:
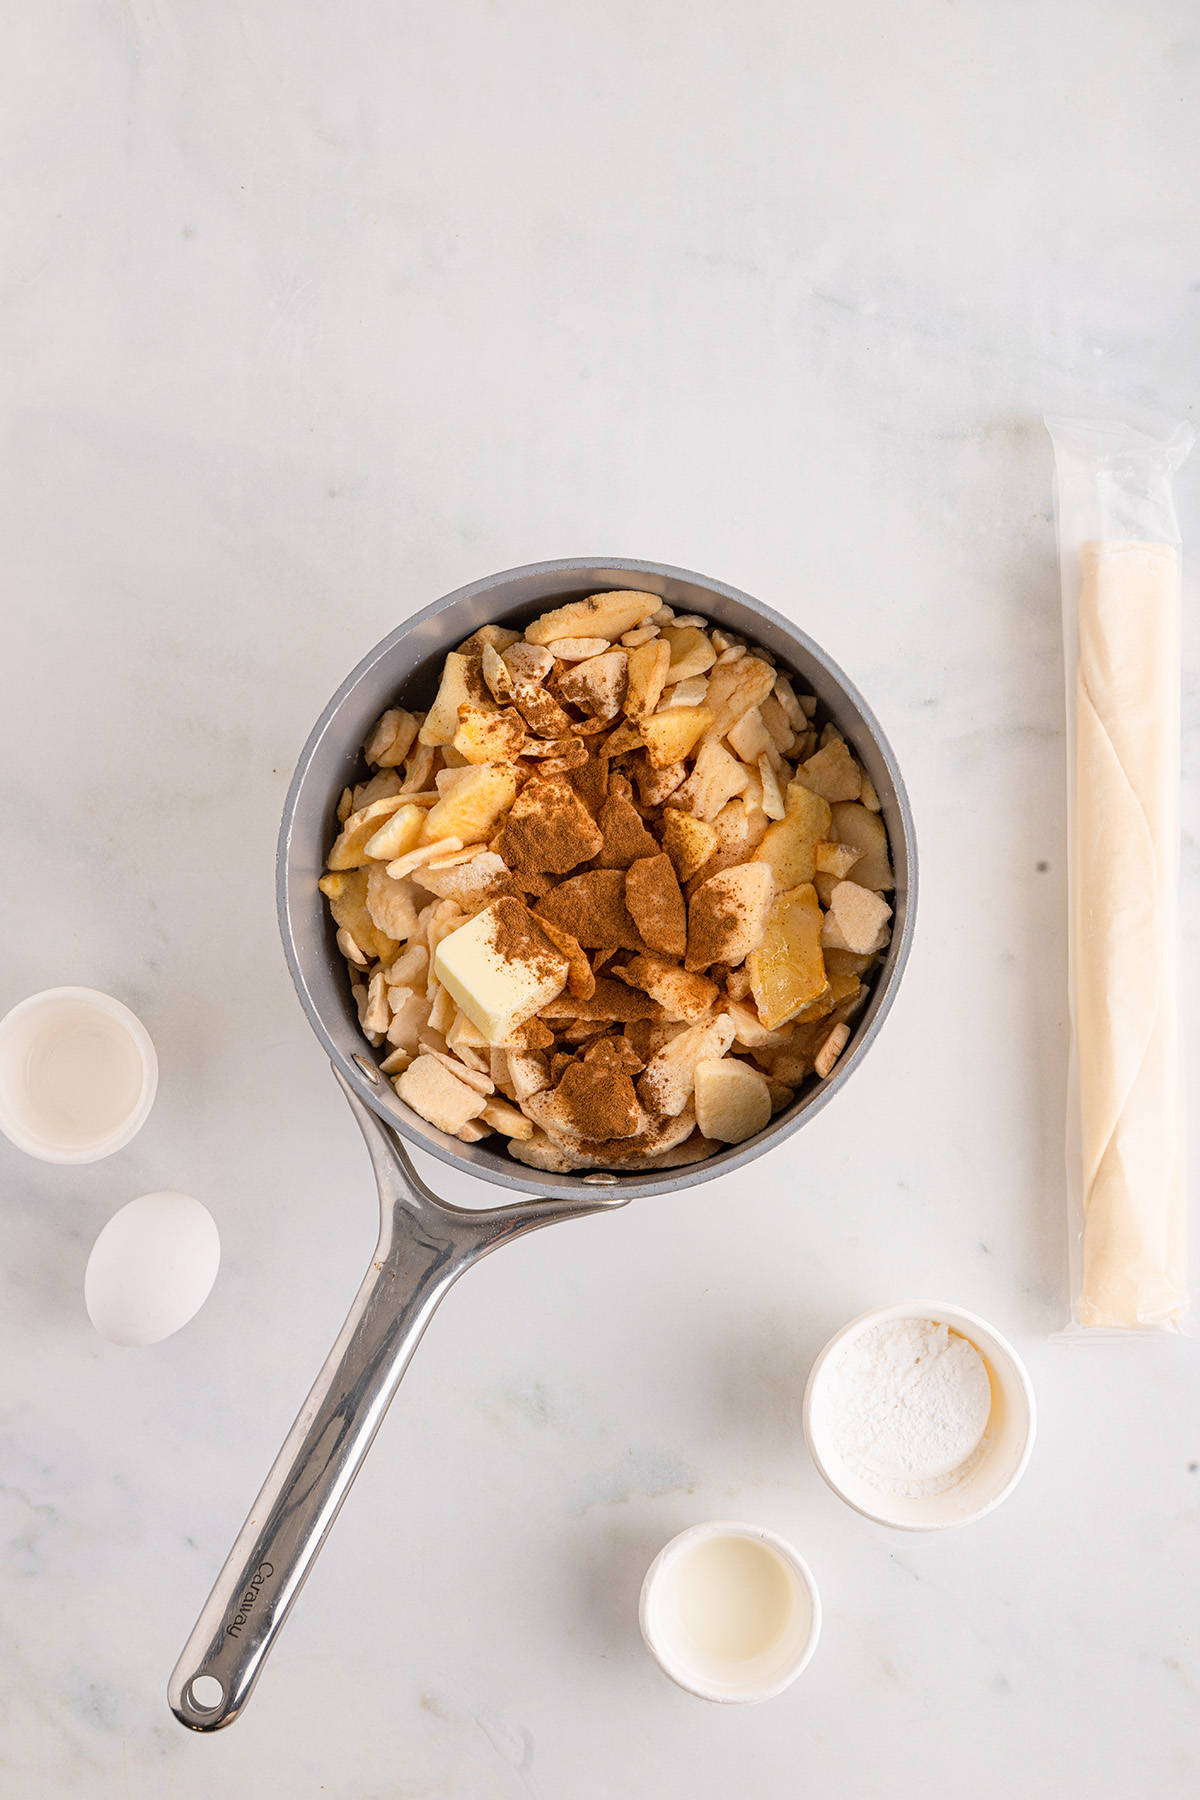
<point x="205" y="1693"/>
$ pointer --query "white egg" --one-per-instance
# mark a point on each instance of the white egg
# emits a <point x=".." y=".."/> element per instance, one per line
<point x="151" y="1268"/>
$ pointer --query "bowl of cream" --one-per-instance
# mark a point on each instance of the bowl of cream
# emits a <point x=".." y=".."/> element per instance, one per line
<point x="730" y="1612"/>
<point x="78" y="1075"/>
<point x="920" y="1416"/>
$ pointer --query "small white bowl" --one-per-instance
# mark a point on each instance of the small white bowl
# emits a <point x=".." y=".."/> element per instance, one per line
<point x="78" y="1075"/>
<point x="703" y="1671"/>
<point x="1007" y="1442"/>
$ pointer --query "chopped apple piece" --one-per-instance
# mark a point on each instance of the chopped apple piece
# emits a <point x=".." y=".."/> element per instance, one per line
<point x="775" y="720"/>
<point x="787" y="971"/>
<point x="346" y="892"/>
<point x="428" y="1086"/>
<point x="528" y="662"/>
<point x="831" y="1049"/>
<point x="598" y="685"/>
<point x="540" y="710"/>
<point x="845" y="962"/>
<point x="648" y="666"/>
<point x="461" y="681"/>
<point x="691" y="652"/>
<point x="474" y="1078"/>
<point x="487" y="736"/>
<point x="683" y="997"/>
<point x="417" y="770"/>
<point x="465" y="1038"/>
<point x="350" y="849"/>
<point x="862" y="830"/>
<point x="397" y="834"/>
<point x="540" y="1152"/>
<point x="834" y="859"/>
<point x="600" y="615"/>
<point x="391" y="904"/>
<point x="772" y="794"/>
<point x="655" y="785"/>
<point x="402" y="1004"/>
<point x="734" y="687"/>
<point x="784" y="695"/>
<point x="489" y="637"/>
<point x="667" y="1084"/>
<point x="739" y="830"/>
<point x="691" y="692"/>
<point x="728" y="915"/>
<point x="420" y="854"/>
<point x="688" y="841"/>
<point x="411" y="967"/>
<point x="578" y="649"/>
<point x="473" y="805"/>
<point x="752" y="1034"/>
<point x="832" y="772"/>
<point x="392" y="738"/>
<point x="669" y="736"/>
<point x="500" y="1116"/>
<point x="529" y="1073"/>
<point x="748" y="737"/>
<point x="733" y="1100"/>
<point x="656" y="905"/>
<point x="789" y="845"/>
<point x="716" y="778"/>
<point x="581" y="982"/>
<point x="496" y="674"/>
<point x="350" y="949"/>
<point x="474" y="881"/>
<point x="857" y="919"/>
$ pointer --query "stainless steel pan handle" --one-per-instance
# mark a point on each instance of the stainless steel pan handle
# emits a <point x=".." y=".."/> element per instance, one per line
<point x="424" y="1245"/>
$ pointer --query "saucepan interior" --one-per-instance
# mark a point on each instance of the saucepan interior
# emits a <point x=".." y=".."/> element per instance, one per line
<point x="405" y="667"/>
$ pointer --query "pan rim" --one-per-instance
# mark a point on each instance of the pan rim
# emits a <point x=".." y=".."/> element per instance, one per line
<point x="725" y="1162"/>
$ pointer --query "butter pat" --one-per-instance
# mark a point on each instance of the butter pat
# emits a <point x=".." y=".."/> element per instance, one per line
<point x="500" y="968"/>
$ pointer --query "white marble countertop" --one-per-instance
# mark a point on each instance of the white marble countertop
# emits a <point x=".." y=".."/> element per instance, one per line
<point x="308" y="315"/>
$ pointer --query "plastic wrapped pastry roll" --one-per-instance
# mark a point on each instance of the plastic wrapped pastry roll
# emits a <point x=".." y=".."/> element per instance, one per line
<point x="1126" y="831"/>
<point x="1120" y="565"/>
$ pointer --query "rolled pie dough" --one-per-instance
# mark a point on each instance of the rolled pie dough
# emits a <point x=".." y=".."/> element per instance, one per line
<point x="1126" y="816"/>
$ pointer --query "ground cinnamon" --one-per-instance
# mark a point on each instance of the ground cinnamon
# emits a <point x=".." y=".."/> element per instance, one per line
<point x="613" y="1002"/>
<point x="548" y="829"/>
<point x="713" y="917"/>
<point x="530" y="1038"/>
<point x="614" y="1053"/>
<point x="655" y="901"/>
<point x="625" y="834"/>
<point x="590" y="782"/>
<point x="596" y="1102"/>
<point x="592" y="908"/>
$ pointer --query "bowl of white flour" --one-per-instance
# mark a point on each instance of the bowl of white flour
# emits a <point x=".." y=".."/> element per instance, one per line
<point x="920" y="1416"/>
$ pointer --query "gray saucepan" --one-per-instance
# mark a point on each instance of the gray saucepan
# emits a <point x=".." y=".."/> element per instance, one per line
<point x="425" y="1243"/>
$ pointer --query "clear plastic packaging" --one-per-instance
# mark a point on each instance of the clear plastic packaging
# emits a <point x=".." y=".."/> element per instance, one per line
<point x="1119" y="561"/>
